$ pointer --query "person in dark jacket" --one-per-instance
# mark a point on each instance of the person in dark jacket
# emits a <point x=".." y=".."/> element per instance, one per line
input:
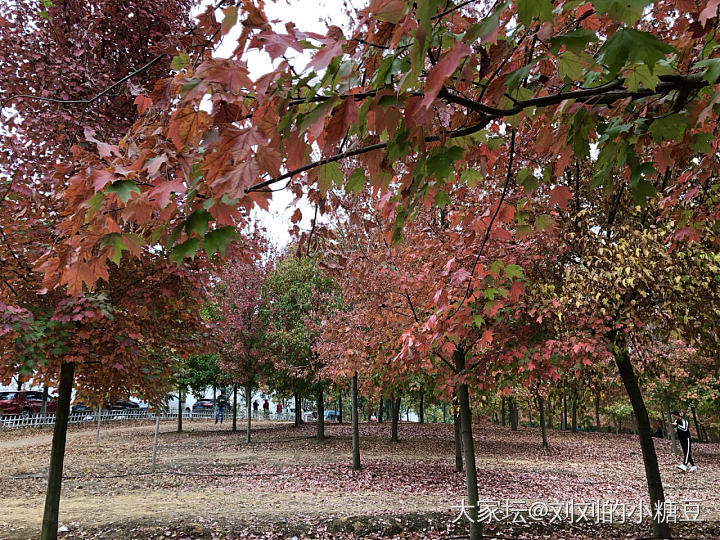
<point x="682" y="426"/>
<point x="222" y="402"/>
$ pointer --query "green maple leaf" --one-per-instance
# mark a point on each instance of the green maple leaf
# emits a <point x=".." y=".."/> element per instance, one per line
<point x="179" y="61"/>
<point x="186" y="249"/>
<point x="216" y="241"/>
<point x="197" y="222"/>
<point x="528" y="10"/>
<point x="328" y="175"/>
<point x="471" y="177"/>
<point x="571" y="65"/>
<point x="543" y="222"/>
<point x="574" y="41"/>
<point x="514" y="271"/>
<point x="629" y="44"/>
<point x="356" y="181"/>
<point x="115" y="240"/>
<point x="627" y="11"/>
<point x="123" y="189"/>
<point x="713" y="69"/>
<point x="670" y="128"/>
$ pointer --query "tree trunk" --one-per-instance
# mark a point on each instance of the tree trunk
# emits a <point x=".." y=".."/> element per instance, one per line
<point x="670" y="429"/>
<point x="380" y="411"/>
<point x="444" y="413"/>
<point x="563" y="419"/>
<point x="214" y="397"/>
<point x="597" y="410"/>
<point x="320" y="402"/>
<point x="697" y="425"/>
<point x="355" y="428"/>
<point x="513" y="414"/>
<point x="661" y="529"/>
<point x="248" y="411"/>
<point x="541" y="410"/>
<point x="529" y="413"/>
<point x="97" y="429"/>
<point x="57" y="453"/>
<point x="395" y="416"/>
<point x="458" y="441"/>
<point x="574" y="413"/>
<point x="468" y="448"/>
<point x="340" y="407"/>
<point x="422" y="406"/>
<point x="180" y="409"/>
<point x="549" y="413"/>
<point x="502" y="411"/>
<point x="298" y="411"/>
<point x="43" y="408"/>
<point x="235" y="389"/>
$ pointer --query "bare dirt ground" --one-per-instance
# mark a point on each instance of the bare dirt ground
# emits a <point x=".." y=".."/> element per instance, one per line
<point x="210" y="484"/>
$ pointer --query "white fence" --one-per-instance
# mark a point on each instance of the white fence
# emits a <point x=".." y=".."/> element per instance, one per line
<point x="37" y="420"/>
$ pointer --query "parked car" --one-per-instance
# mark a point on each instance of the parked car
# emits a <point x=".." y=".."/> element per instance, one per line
<point x="332" y="416"/>
<point x="24" y="402"/>
<point x="123" y="405"/>
<point x="306" y="416"/>
<point x="204" y="404"/>
<point x="79" y="408"/>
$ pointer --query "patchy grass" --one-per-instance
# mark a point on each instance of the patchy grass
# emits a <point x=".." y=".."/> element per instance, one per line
<point x="210" y="484"/>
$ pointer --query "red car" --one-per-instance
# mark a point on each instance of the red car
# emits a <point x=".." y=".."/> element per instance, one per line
<point x="25" y="402"/>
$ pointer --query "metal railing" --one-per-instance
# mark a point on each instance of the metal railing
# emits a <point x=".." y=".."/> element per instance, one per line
<point x="89" y="416"/>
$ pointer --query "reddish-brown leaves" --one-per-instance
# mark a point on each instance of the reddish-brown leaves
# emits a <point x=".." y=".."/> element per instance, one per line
<point x="186" y="127"/>
<point x="101" y="178"/>
<point x="232" y="75"/>
<point x="442" y="70"/>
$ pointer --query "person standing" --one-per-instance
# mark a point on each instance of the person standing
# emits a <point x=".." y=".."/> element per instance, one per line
<point x="278" y="408"/>
<point x="222" y="402"/>
<point x="266" y="408"/>
<point x="256" y="405"/>
<point x="682" y="426"/>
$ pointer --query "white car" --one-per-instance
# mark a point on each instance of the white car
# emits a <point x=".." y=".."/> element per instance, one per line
<point x="307" y="416"/>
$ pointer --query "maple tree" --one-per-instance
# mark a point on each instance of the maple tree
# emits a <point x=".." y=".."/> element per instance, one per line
<point x="112" y="341"/>
<point x="240" y="326"/>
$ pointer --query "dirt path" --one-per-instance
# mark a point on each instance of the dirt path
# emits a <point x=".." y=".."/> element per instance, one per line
<point x="208" y="475"/>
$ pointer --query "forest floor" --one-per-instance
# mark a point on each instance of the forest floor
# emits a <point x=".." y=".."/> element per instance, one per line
<point x="209" y="484"/>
